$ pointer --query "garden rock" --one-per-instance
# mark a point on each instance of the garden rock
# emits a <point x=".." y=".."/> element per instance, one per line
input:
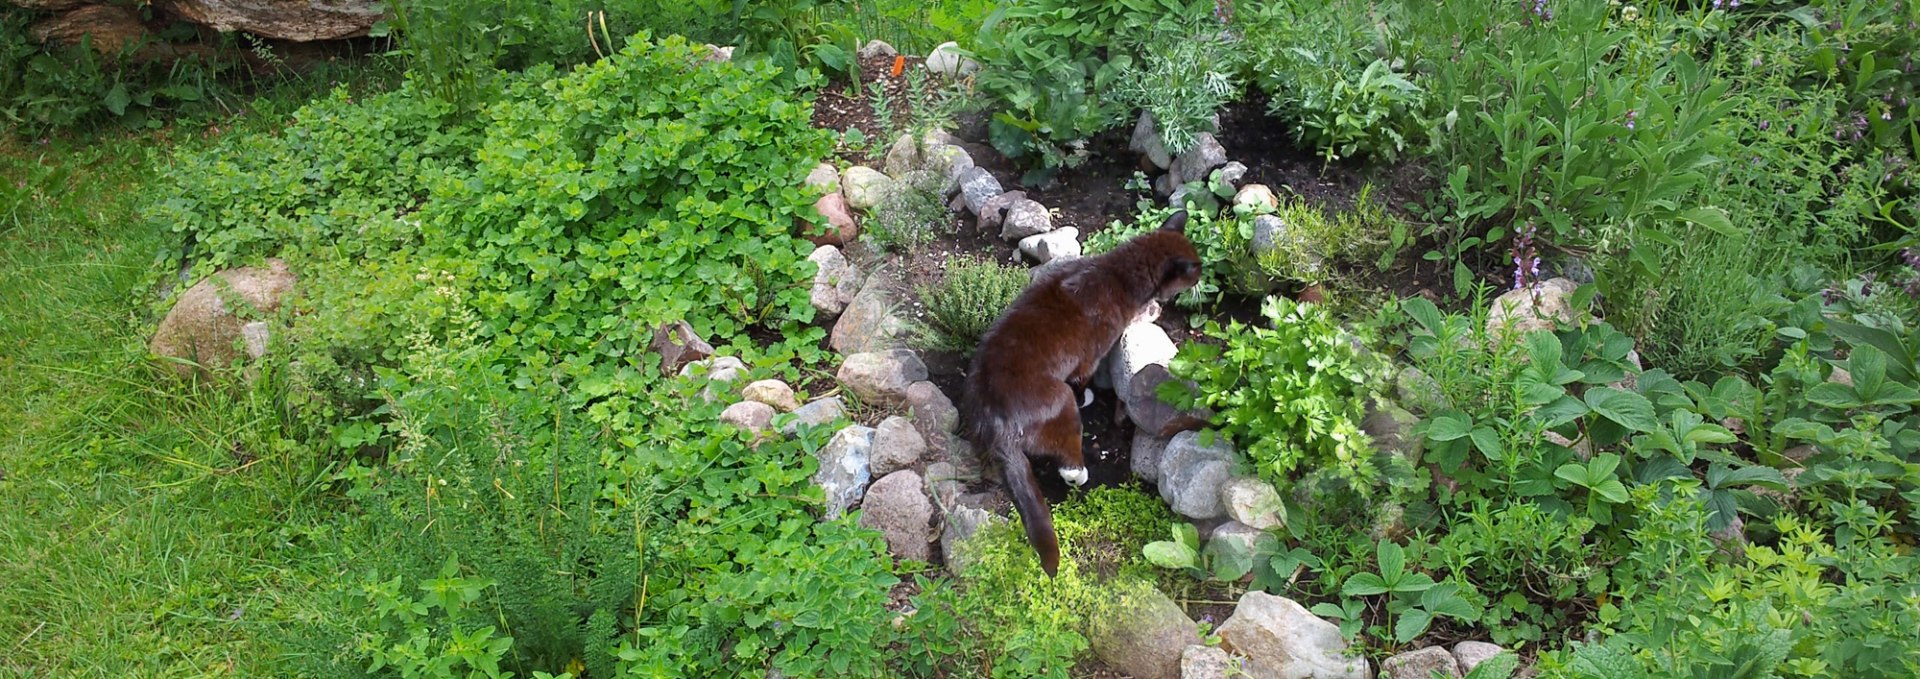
<point x="1197" y="162"/>
<point x="897" y="506"/>
<point x="203" y="328"/>
<point x="835" y="281"/>
<point x="1389" y="426"/>
<point x="1256" y="196"/>
<point x="1418" y="390"/>
<point x="1205" y="662"/>
<point x="878" y="48"/>
<point x="1231" y="173"/>
<point x="977" y="186"/>
<point x="1420" y="664"/>
<point x="818" y="413"/>
<point x="721" y="372"/>
<point x="1536" y="307"/>
<point x="882" y="377"/>
<point x="1238" y="535"/>
<point x="291" y="20"/>
<point x="824" y="178"/>
<point x="896" y="446"/>
<point x="1191" y="475"/>
<point x="1253" y="502"/>
<point x="752" y="416"/>
<point x="948" y="161"/>
<point x="1147" y="450"/>
<point x="944" y="485"/>
<point x="1269" y="231"/>
<point x="1146" y="141"/>
<point x="932" y="412"/>
<point x="963" y="522"/>
<point x="904" y="156"/>
<point x="1046" y="247"/>
<point x="868" y="324"/>
<point x="1143" y="635"/>
<point x="1025" y="218"/>
<point x="1155" y="415"/>
<point x="947" y="60"/>
<point x="1471" y="653"/>
<point x="864" y="187"/>
<point x="844" y="470"/>
<point x="1140" y="345"/>
<point x="993" y="212"/>
<point x="841" y="229"/>
<point x="1281" y="640"/>
<point x="773" y="393"/>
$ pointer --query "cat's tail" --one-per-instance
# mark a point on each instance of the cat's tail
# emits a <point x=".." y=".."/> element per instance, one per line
<point x="1034" y="513"/>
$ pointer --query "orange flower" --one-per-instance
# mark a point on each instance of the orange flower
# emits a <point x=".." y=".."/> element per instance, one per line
<point x="899" y="62"/>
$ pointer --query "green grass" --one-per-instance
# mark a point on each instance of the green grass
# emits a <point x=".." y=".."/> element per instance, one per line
<point x="147" y="528"/>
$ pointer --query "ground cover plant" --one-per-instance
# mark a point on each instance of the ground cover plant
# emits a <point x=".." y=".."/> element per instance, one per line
<point x="461" y="459"/>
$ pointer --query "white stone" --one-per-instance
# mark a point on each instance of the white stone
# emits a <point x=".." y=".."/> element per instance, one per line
<point x="1046" y="247"/>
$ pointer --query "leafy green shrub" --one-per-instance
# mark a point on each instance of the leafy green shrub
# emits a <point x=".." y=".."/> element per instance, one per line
<point x="1053" y="64"/>
<point x="909" y="214"/>
<point x="645" y="187"/>
<point x="1322" y="66"/>
<point x="1183" y="80"/>
<point x="1291" y="395"/>
<point x="682" y="548"/>
<point x="1313" y="246"/>
<point x="967" y="302"/>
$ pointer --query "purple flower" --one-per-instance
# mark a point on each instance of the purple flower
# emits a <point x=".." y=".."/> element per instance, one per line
<point x="1763" y="125"/>
<point x="1631" y="115"/>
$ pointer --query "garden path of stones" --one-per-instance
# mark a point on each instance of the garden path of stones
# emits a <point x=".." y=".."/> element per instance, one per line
<point x="910" y="476"/>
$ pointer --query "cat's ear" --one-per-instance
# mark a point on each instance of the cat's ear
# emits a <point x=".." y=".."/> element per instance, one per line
<point x="1177" y="223"/>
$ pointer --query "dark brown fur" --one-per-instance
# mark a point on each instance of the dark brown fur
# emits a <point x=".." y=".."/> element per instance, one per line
<point x="1021" y="398"/>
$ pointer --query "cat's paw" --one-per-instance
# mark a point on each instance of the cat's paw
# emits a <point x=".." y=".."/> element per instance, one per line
<point x="1074" y="475"/>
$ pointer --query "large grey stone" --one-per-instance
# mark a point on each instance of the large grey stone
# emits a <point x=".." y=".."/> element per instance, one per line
<point x="868" y="324"/>
<point x="835" y="281"/>
<point x="882" y="377"/>
<point x="1206" y="662"/>
<point x="1146" y="141"/>
<point x="1197" y="162"/>
<point x="1142" y="634"/>
<point x="1191" y="475"/>
<point x="1420" y="664"/>
<point x="209" y="321"/>
<point x="1537" y="307"/>
<point x="1140" y="345"/>
<point x="864" y="186"/>
<point x="818" y="413"/>
<point x="1025" y="218"/>
<point x="824" y="178"/>
<point x="1281" y="640"/>
<point x="752" y="416"/>
<point x="844" y="468"/>
<point x="1046" y="247"/>
<point x="947" y="59"/>
<point x="897" y="506"/>
<point x="1147" y="450"/>
<point x="977" y="186"/>
<point x="1153" y="414"/>
<point x="771" y="392"/>
<point x="896" y="446"/>
<point x="1253" y="502"/>
<point x="1471" y="653"/>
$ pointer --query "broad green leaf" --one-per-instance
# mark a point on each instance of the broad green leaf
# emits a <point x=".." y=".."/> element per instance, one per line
<point x="1393" y="561"/>
<point x="1612" y="491"/>
<point x="1411" y="625"/>
<point x="1444" y="599"/>
<point x="1488" y="441"/>
<point x="1869" y="369"/>
<point x="1364" y="584"/>
<point x="1170" y="555"/>
<point x="1713" y="218"/>
<point x="1448" y="427"/>
<point x="1625" y="408"/>
<point x="1833" y="395"/>
<point x="1565" y="409"/>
